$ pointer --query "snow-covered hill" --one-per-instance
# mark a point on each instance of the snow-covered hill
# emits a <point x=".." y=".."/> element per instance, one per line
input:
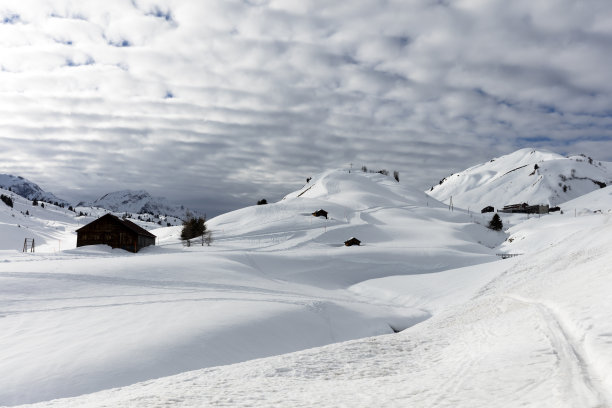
<point x="478" y="331"/>
<point x="137" y="202"/>
<point x="27" y="189"/>
<point x="275" y="280"/>
<point x="527" y="175"/>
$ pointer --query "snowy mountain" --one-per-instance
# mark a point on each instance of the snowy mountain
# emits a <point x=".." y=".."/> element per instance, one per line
<point x="279" y="312"/>
<point x="27" y="189"/>
<point x="527" y="175"/>
<point x="137" y="202"/>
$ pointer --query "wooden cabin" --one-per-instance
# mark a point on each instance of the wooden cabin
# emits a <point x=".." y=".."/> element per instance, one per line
<point x="115" y="232"/>
<point x="320" y="213"/>
<point x="352" y="241"/>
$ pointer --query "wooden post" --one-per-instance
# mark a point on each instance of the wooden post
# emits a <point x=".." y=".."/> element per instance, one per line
<point x="27" y="246"/>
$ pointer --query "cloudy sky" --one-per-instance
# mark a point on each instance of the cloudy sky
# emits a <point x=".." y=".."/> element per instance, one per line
<point x="218" y="103"/>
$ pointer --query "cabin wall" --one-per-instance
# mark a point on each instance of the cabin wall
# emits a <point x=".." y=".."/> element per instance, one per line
<point x="145" y="241"/>
<point x="111" y="234"/>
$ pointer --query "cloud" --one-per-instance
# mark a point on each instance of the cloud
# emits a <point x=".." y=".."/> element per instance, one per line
<point x="220" y="103"/>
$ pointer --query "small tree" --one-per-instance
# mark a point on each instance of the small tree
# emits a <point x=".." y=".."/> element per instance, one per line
<point x="195" y="227"/>
<point x="496" y="223"/>
<point x="7" y="200"/>
<point x="263" y="201"/>
<point x="396" y="175"/>
<point x="35" y="202"/>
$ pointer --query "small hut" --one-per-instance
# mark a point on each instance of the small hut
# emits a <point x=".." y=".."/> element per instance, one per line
<point x="352" y="241"/>
<point x="115" y="232"/>
<point x="320" y="213"/>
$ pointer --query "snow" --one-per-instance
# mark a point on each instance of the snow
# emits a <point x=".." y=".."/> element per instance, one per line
<point x="277" y="312"/>
<point x="513" y="179"/>
<point x="137" y="202"/>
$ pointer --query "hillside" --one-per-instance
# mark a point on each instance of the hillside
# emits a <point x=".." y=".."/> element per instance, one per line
<point x="275" y="280"/>
<point x="478" y="331"/>
<point x="475" y="330"/>
<point x="514" y="178"/>
<point x="27" y="189"/>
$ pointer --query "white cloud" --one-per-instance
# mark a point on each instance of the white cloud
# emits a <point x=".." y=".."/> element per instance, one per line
<point x="244" y="99"/>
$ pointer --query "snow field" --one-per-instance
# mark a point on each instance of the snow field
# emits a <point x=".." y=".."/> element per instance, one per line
<point x="479" y="332"/>
<point x="274" y="281"/>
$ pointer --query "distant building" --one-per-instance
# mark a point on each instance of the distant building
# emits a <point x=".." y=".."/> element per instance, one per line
<point x="352" y="241"/>
<point x="115" y="232"/>
<point x="320" y="213"/>
<point x="525" y="209"/>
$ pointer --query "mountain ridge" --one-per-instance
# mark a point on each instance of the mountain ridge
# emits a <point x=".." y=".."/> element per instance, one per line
<point x="526" y="175"/>
<point x="28" y="189"/>
<point x="138" y="202"/>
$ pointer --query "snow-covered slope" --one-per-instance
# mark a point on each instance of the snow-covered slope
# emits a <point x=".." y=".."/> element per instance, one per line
<point x="596" y="201"/>
<point x="27" y="189"/>
<point x="275" y="280"/>
<point x="138" y="202"/>
<point x="530" y="331"/>
<point x="527" y="175"/>
<point x="53" y="227"/>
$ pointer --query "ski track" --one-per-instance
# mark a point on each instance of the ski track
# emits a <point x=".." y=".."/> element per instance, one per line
<point x="583" y="382"/>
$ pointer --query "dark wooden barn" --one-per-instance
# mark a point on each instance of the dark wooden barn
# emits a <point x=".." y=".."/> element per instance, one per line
<point x="352" y="241"/>
<point x="115" y="232"/>
<point x="320" y="213"/>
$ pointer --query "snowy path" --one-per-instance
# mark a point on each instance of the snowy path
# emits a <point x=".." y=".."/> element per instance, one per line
<point x="582" y="380"/>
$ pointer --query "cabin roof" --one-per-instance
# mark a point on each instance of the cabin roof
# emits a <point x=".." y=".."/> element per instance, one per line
<point x="126" y="223"/>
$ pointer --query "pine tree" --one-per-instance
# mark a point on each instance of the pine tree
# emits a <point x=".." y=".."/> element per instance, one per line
<point x="194" y="227"/>
<point x="496" y="223"/>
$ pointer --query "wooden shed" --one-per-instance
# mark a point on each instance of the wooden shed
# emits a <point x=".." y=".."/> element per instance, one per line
<point x="352" y="241"/>
<point x="487" y="209"/>
<point x="320" y="213"/>
<point x="115" y="232"/>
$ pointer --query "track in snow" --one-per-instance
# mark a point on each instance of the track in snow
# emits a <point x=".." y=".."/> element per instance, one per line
<point x="583" y="382"/>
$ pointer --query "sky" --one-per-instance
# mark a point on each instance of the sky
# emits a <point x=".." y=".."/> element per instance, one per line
<point x="217" y="104"/>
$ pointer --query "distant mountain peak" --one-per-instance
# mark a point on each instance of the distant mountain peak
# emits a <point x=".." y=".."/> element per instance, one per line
<point x="526" y="175"/>
<point x="28" y="189"/>
<point x="137" y="201"/>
